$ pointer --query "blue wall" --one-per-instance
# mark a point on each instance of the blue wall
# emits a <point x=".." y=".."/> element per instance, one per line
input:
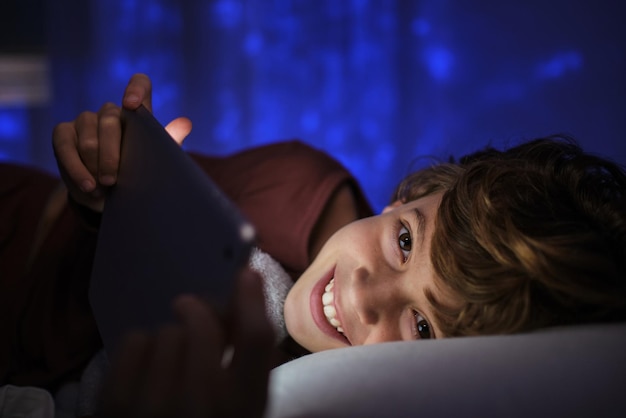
<point x="376" y="83"/>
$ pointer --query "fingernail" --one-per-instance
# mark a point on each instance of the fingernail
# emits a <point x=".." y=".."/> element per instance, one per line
<point x="132" y="98"/>
<point x="183" y="302"/>
<point x="86" y="186"/>
<point x="107" y="180"/>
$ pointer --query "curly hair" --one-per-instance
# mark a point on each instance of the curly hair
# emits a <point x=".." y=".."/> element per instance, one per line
<point x="530" y="237"/>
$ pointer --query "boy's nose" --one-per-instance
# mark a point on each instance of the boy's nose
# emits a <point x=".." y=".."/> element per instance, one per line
<point x="377" y="297"/>
<point x="381" y="333"/>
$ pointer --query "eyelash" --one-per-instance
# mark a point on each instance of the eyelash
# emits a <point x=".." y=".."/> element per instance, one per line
<point x="417" y="332"/>
<point x="402" y="230"/>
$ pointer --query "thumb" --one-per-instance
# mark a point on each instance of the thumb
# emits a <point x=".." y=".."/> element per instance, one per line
<point x="178" y="129"/>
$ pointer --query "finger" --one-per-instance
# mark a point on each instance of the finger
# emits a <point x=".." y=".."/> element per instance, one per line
<point x="161" y="394"/>
<point x="253" y="343"/>
<point x="126" y="376"/>
<point x="203" y="377"/>
<point x="87" y="141"/>
<point x="178" y="129"/>
<point x="138" y="92"/>
<point x="110" y="137"/>
<point x="71" y="166"/>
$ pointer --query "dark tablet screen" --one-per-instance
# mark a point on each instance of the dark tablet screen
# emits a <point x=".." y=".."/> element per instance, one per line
<point x="166" y="229"/>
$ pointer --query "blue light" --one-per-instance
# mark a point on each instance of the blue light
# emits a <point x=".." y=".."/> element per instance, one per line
<point x="227" y="13"/>
<point x="560" y="64"/>
<point x="155" y="13"/>
<point x="253" y="43"/>
<point x="426" y="77"/>
<point x="439" y="62"/>
<point x="335" y="136"/>
<point x="14" y="131"/>
<point x="421" y="27"/>
<point x="13" y="126"/>
<point x="359" y="6"/>
<point x="226" y="129"/>
<point x="121" y="67"/>
<point x="370" y="129"/>
<point x="384" y="155"/>
<point x="310" y="121"/>
<point x="504" y="91"/>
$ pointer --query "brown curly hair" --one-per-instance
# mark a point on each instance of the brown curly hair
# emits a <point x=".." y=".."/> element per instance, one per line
<point x="530" y="237"/>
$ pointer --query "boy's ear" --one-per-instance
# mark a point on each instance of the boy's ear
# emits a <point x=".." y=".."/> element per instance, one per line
<point x="392" y="206"/>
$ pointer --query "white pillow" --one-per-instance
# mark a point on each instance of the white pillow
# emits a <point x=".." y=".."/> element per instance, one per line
<point x="572" y="371"/>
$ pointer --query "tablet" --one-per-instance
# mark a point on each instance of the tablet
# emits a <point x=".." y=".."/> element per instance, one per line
<point x="166" y="230"/>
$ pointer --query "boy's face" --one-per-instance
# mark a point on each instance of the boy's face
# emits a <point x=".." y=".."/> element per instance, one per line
<point x="368" y="284"/>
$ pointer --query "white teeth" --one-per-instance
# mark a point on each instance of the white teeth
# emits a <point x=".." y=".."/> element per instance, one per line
<point x="327" y="298"/>
<point x="329" y="309"/>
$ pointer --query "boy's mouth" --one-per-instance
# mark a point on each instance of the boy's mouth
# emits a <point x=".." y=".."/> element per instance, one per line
<point x="328" y="298"/>
<point x="323" y="301"/>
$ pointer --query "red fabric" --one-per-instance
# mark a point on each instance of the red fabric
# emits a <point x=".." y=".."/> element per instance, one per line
<point x="48" y="331"/>
<point x="46" y="325"/>
<point x="282" y="188"/>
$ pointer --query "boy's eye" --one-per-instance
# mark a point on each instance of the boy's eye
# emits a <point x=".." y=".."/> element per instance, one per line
<point x="405" y="241"/>
<point x="422" y="327"/>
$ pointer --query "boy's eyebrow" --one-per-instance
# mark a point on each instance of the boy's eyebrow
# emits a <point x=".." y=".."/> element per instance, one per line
<point x="421" y="224"/>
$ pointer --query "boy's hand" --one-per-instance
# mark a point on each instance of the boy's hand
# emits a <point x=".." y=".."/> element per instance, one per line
<point x="87" y="149"/>
<point x="179" y="371"/>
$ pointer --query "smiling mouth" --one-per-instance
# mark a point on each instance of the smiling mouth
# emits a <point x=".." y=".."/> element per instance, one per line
<point x="330" y="312"/>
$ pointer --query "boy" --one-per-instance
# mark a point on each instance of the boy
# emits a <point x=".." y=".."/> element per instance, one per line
<point x="500" y="242"/>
